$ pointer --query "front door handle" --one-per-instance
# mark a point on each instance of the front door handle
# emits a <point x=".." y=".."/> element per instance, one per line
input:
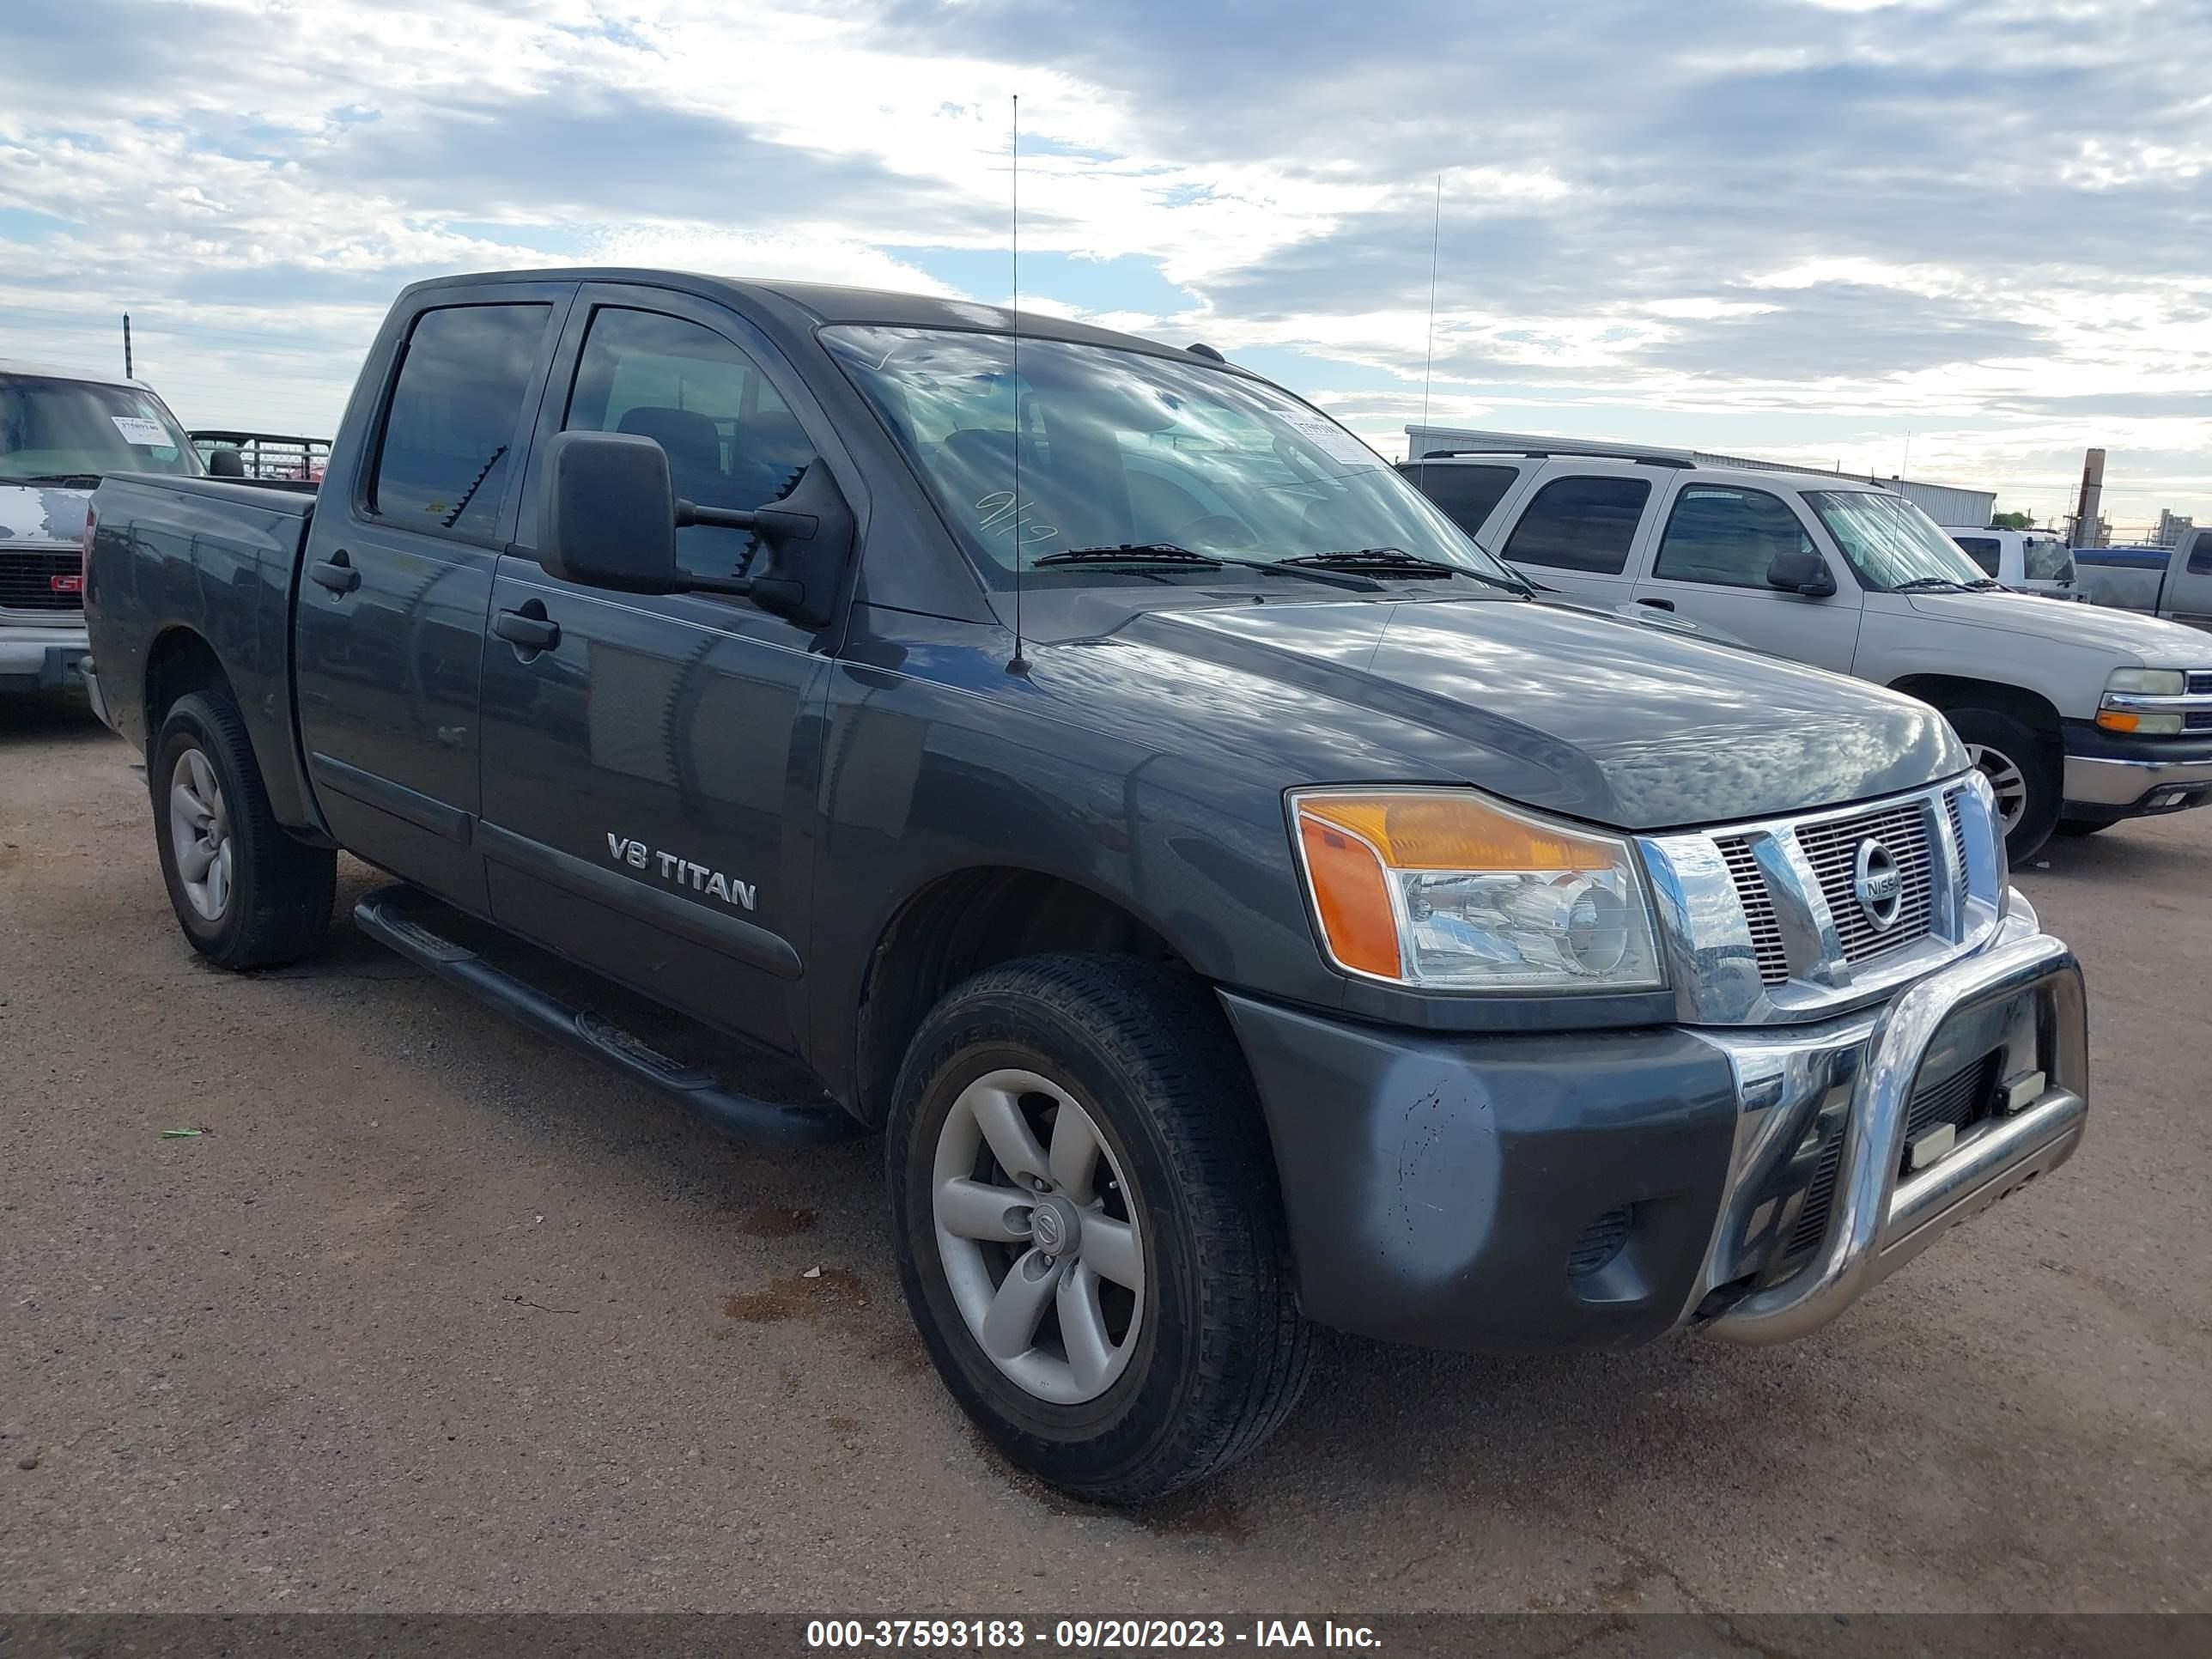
<point x="1658" y="604"/>
<point x="527" y="631"/>
<point x="336" y="572"/>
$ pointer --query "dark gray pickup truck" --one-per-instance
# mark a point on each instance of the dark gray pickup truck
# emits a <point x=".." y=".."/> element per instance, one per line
<point x="1236" y="901"/>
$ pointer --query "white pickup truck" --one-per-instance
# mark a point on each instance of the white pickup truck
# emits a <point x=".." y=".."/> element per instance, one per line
<point x="2080" y="716"/>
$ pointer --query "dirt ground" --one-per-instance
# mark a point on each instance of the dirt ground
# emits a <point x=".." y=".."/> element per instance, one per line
<point x="436" y="1317"/>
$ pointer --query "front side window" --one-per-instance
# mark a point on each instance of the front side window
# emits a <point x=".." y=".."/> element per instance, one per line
<point x="1120" y="448"/>
<point x="1466" y="494"/>
<point x="449" y="434"/>
<point x="1983" y="551"/>
<point x="72" y="432"/>
<point x="2045" y="559"/>
<point x="1891" y="545"/>
<point x="1727" y="537"/>
<point x="731" y="439"/>
<point x="1583" y="523"/>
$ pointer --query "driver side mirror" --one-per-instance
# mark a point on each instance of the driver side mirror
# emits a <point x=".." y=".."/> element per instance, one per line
<point x="1802" y="570"/>
<point x="607" y="517"/>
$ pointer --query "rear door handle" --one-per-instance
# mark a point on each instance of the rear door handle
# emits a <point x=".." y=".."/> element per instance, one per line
<point x="531" y="633"/>
<point x="336" y="572"/>
<point x="1658" y="604"/>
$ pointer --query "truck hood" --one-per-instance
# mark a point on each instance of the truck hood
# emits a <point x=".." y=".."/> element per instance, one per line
<point x="30" y="514"/>
<point x="1583" y="714"/>
<point x="2135" y="640"/>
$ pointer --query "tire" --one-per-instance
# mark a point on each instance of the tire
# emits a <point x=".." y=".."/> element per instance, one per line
<point x="2020" y="767"/>
<point x="2078" y="827"/>
<point x="262" y="898"/>
<point x="1192" y="1368"/>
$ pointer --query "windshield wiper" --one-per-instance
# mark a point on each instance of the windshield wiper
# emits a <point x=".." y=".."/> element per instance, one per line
<point x="1925" y="585"/>
<point x="65" y="480"/>
<point x="1168" y="553"/>
<point x="1396" y="561"/>
<point x="1984" y="585"/>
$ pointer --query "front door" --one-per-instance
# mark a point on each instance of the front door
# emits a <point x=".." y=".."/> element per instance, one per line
<point x="643" y="761"/>
<point x="389" y="633"/>
<point x="1710" y="565"/>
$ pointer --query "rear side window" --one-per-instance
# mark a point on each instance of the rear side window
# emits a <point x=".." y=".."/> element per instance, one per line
<point x="1466" y="494"/>
<point x="2200" y="555"/>
<point x="1581" y="523"/>
<point x="448" y="437"/>
<point x="1983" y="550"/>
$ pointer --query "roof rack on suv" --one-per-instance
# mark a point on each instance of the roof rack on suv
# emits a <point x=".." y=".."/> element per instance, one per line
<point x="1641" y="457"/>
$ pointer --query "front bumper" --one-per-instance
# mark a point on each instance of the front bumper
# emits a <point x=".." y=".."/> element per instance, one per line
<point x="2110" y="777"/>
<point x="42" y="657"/>
<point x="1598" y="1190"/>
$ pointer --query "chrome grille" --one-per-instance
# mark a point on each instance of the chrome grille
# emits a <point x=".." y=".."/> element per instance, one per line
<point x="1958" y="826"/>
<point x="1757" y="909"/>
<point x="1832" y="848"/>
<point x="27" y="581"/>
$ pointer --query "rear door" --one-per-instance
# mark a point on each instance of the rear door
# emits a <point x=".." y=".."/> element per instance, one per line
<point x="1575" y="531"/>
<point x="1710" y="564"/>
<point x="644" y="772"/>
<point x="390" y="621"/>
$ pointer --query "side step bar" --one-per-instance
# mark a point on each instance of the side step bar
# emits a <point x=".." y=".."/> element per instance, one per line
<point x="383" y="916"/>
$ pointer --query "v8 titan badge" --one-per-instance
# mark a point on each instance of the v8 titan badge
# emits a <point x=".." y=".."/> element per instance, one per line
<point x="682" y="872"/>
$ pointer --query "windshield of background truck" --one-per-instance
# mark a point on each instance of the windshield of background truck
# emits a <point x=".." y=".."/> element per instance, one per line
<point x="1118" y="448"/>
<point x="56" y="431"/>
<point x="1890" y="542"/>
<point x="2045" y="560"/>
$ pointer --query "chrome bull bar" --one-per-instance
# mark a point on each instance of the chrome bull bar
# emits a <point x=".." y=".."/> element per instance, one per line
<point x="1878" y="1221"/>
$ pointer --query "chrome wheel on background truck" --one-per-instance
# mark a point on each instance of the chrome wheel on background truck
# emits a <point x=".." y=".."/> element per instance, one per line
<point x="2021" y="771"/>
<point x="1086" y="1230"/>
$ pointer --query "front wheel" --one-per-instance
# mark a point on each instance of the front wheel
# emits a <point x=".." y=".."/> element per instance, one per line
<point x="246" y="894"/>
<point x="2020" y="770"/>
<point x="1087" y="1225"/>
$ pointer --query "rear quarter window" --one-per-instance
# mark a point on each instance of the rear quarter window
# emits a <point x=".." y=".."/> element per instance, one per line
<point x="1467" y="494"/>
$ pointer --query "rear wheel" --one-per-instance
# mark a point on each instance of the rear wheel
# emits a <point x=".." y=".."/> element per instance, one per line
<point x="2020" y="770"/>
<point x="246" y="894"/>
<point x="1087" y="1227"/>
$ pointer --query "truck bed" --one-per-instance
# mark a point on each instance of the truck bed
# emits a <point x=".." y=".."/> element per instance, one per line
<point x="218" y="558"/>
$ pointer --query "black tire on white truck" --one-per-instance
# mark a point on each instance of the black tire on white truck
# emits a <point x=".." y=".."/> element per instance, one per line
<point x="2022" y="769"/>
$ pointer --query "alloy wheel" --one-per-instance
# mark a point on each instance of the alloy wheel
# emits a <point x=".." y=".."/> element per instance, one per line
<point x="2006" y="778"/>
<point x="199" y="834"/>
<point x="1036" y="1228"/>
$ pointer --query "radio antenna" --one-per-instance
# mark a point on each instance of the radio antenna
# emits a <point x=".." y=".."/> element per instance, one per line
<point x="1428" y="369"/>
<point x="1020" y="663"/>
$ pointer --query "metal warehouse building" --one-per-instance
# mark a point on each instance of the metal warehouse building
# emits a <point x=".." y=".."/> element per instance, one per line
<point x="1945" y="503"/>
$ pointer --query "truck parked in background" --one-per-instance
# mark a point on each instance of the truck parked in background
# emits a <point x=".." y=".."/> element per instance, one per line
<point x="2173" y="582"/>
<point x="2079" y="718"/>
<point x="2025" y="561"/>
<point x="1238" y="905"/>
<point x="62" y="430"/>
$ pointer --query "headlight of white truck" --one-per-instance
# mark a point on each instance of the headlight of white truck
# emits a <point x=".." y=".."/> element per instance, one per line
<point x="1446" y="890"/>
<point x="2128" y="704"/>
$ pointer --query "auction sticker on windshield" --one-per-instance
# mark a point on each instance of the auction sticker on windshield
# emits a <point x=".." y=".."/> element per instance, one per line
<point x="1333" y="440"/>
<point x="137" y="429"/>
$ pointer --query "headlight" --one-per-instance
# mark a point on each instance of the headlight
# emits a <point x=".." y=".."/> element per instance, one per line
<point x="2146" y="682"/>
<point x="1447" y="891"/>
<point x="2129" y="704"/>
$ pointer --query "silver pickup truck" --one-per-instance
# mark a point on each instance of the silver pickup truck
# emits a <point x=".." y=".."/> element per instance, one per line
<point x="2080" y="717"/>
<point x="2173" y="582"/>
<point x="60" y="432"/>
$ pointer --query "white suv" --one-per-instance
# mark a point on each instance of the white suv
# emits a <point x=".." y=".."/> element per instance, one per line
<point x="2080" y="717"/>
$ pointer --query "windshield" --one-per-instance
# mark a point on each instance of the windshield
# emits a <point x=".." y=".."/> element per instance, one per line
<point x="1891" y="543"/>
<point x="2045" y="560"/>
<point x="1119" y="449"/>
<point x="71" y="432"/>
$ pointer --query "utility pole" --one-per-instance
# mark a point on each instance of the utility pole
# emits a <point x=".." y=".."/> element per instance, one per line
<point x="126" y="346"/>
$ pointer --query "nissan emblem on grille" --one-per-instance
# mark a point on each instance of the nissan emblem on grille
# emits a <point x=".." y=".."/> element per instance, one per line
<point x="1878" y="885"/>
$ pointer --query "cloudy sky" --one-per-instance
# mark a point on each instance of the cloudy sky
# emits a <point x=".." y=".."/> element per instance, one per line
<point x="1817" y="229"/>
